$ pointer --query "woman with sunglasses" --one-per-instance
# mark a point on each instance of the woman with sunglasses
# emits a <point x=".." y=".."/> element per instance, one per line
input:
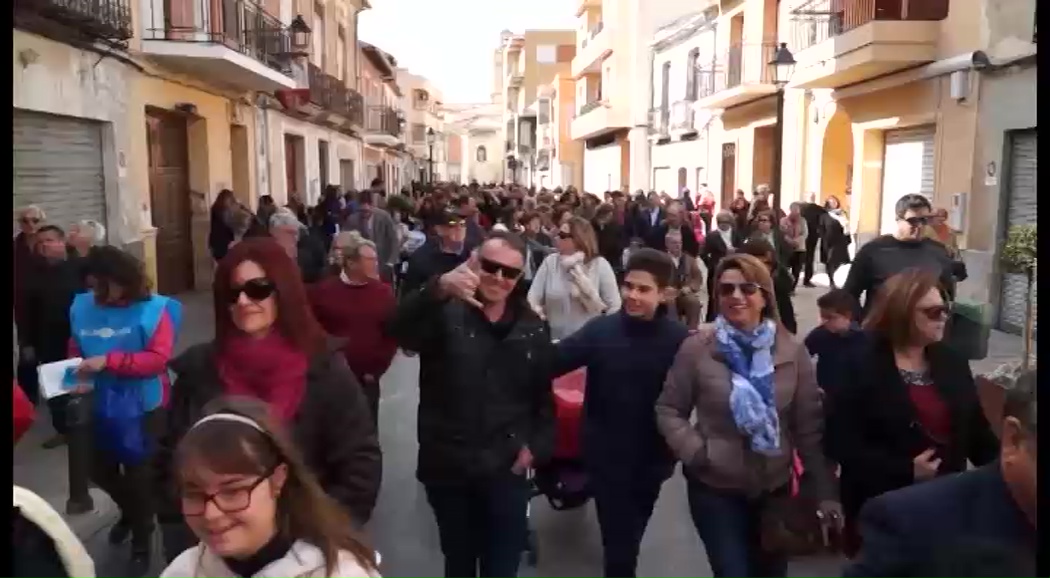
<point x="255" y="506"/>
<point x="754" y="390"/>
<point x="576" y="284"/>
<point x="268" y="345"/>
<point x="912" y="412"/>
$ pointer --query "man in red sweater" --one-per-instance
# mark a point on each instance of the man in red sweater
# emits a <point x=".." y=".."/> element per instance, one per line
<point x="355" y="306"/>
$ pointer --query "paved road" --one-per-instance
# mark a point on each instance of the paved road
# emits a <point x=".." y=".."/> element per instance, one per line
<point x="403" y="528"/>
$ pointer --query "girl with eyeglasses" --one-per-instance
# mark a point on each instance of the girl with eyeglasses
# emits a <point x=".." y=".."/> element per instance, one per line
<point x="268" y="345"/>
<point x="911" y="412"/>
<point x="254" y="505"/>
<point x="754" y="390"/>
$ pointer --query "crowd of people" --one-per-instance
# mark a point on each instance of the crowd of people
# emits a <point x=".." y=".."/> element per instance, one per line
<point x="260" y="457"/>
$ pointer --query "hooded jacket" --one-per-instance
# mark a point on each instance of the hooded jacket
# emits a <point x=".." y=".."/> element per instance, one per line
<point x="45" y="544"/>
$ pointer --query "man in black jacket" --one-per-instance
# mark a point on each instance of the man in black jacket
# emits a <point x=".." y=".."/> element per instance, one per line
<point x="486" y="410"/>
<point x="811" y="213"/>
<point x="52" y="287"/>
<point x="674" y="220"/>
<point x="440" y="254"/>
<point x="888" y="255"/>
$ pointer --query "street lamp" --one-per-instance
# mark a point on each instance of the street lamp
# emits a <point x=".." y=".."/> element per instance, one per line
<point x="783" y="64"/>
<point x="300" y="36"/>
<point x="430" y="159"/>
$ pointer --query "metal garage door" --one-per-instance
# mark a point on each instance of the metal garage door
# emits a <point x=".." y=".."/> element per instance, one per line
<point x="58" y="166"/>
<point x="907" y="167"/>
<point x="1020" y="210"/>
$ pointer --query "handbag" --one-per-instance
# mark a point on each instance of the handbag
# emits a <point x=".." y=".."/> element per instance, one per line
<point x="118" y="417"/>
<point x="790" y="525"/>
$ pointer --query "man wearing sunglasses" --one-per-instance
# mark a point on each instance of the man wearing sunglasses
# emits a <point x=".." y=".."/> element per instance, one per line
<point x="486" y="409"/>
<point x="906" y="248"/>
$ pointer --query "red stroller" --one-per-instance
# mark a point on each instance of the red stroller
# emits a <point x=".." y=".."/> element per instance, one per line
<point x="563" y="480"/>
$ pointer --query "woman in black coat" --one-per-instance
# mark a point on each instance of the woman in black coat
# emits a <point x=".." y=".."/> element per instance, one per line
<point x="221" y="233"/>
<point x="834" y="241"/>
<point x="269" y="346"/>
<point x="911" y="412"/>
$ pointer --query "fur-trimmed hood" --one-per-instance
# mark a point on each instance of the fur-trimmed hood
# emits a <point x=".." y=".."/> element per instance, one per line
<point x="74" y="556"/>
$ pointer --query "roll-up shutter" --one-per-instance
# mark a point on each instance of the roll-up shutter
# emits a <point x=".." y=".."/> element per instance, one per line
<point x="907" y="168"/>
<point x="1020" y="210"/>
<point x="58" y="167"/>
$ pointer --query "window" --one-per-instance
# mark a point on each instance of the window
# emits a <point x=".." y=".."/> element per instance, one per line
<point x="546" y="54"/>
<point x="340" y="54"/>
<point x="482" y="155"/>
<point x="690" y="75"/>
<point x="317" y="34"/>
<point x="665" y="84"/>
<point x="419" y="132"/>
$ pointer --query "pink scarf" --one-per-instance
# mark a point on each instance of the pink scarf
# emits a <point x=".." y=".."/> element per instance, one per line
<point x="270" y="369"/>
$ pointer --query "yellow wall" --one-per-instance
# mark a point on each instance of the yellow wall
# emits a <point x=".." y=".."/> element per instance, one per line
<point x="210" y="163"/>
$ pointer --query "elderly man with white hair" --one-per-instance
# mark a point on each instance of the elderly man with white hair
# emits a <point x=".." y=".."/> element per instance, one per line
<point x="83" y="235"/>
<point x="307" y="250"/>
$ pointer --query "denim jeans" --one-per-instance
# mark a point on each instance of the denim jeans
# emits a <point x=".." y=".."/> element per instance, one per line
<point x="482" y="524"/>
<point x="729" y="526"/>
<point x="624" y="507"/>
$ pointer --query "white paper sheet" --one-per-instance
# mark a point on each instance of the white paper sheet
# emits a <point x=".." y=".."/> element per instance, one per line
<point x="52" y="377"/>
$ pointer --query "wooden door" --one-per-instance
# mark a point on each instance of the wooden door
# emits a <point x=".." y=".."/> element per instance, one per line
<point x="728" y="173"/>
<point x="169" y="192"/>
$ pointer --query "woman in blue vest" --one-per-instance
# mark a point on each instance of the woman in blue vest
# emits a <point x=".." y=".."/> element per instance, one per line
<point x="125" y="334"/>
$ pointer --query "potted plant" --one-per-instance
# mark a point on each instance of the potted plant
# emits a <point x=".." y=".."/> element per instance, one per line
<point x="1019" y="256"/>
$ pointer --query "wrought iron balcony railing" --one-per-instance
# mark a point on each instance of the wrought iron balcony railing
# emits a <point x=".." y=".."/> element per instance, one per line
<point x="589" y="106"/>
<point x="815" y="21"/>
<point x="383" y="120"/>
<point x="682" y="116"/>
<point x="332" y="94"/>
<point x="728" y="70"/>
<point x="659" y="122"/>
<point x="97" y="19"/>
<point x="241" y="25"/>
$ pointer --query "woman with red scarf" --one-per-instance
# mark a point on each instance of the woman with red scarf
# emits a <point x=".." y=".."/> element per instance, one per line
<point x="269" y="346"/>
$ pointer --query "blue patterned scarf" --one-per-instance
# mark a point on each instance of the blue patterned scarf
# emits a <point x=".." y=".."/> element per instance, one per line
<point x="751" y="400"/>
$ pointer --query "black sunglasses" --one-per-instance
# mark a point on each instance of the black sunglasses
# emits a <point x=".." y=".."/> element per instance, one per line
<point x="936" y="313"/>
<point x="564" y="235"/>
<point x="494" y="268"/>
<point x="917" y="221"/>
<point x="257" y="289"/>
<point x="747" y="288"/>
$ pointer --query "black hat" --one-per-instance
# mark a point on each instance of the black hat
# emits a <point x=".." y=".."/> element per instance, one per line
<point x="450" y="216"/>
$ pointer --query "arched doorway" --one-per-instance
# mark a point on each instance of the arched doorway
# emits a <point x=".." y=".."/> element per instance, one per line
<point x="836" y="172"/>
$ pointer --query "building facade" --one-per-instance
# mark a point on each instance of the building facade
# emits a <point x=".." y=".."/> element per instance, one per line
<point x="685" y="143"/>
<point x="385" y="154"/>
<point x="476" y="140"/>
<point x="313" y="134"/>
<point x="524" y="63"/>
<point x="559" y="158"/>
<point x="424" y="116"/>
<point x="612" y="73"/>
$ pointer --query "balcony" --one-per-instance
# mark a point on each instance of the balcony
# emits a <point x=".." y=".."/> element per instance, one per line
<point x="103" y="20"/>
<point x="740" y="75"/>
<point x="331" y="102"/>
<point x="596" y="118"/>
<point x="841" y="42"/>
<point x="682" y="118"/>
<point x="231" y="43"/>
<point x="585" y="5"/>
<point x="595" y="47"/>
<point x="659" y="124"/>
<point x="383" y="126"/>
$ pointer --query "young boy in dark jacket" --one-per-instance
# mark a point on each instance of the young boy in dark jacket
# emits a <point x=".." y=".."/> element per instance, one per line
<point x="837" y="341"/>
<point x="627" y="355"/>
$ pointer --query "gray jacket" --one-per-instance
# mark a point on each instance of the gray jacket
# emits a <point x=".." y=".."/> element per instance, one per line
<point x="383" y="233"/>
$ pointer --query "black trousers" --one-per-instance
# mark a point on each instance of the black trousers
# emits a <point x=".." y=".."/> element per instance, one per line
<point x="624" y="508"/>
<point x="131" y="486"/>
<point x="811" y="251"/>
<point x="28" y="381"/>
<point x="372" y="393"/>
<point x="483" y="525"/>
<point x="795" y="263"/>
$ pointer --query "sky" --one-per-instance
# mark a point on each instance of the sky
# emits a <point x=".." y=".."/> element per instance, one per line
<point x="451" y="41"/>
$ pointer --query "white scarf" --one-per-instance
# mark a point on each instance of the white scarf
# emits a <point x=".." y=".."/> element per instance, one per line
<point x="580" y="286"/>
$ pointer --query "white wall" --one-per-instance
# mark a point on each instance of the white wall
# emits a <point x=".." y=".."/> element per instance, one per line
<point x="601" y="169"/>
<point x="66" y="81"/>
<point x="340" y="147"/>
<point x="690" y="155"/>
<point x="678" y="57"/>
